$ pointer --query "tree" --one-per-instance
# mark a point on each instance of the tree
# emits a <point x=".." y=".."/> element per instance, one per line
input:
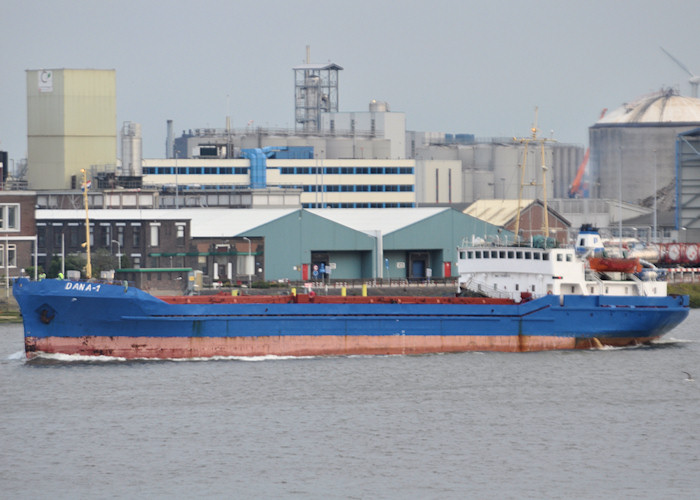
<point x="74" y="262"/>
<point x="102" y="260"/>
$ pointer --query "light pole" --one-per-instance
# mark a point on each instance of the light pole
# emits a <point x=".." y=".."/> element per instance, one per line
<point x="119" y="254"/>
<point x="250" y="279"/>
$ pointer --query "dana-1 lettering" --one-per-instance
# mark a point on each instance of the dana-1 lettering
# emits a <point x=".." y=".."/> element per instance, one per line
<point x="83" y="287"/>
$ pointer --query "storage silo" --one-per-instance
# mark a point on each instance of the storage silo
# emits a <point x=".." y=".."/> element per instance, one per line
<point x="131" y="150"/>
<point x="71" y="125"/>
<point x="636" y="144"/>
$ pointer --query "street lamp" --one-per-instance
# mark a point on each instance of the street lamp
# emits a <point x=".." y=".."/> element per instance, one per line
<point x="250" y="279"/>
<point x="119" y="254"/>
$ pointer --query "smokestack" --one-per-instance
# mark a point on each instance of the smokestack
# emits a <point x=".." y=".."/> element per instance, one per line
<point x="169" y="141"/>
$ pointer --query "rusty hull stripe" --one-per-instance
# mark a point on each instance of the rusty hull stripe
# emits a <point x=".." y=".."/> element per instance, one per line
<point x="302" y="345"/>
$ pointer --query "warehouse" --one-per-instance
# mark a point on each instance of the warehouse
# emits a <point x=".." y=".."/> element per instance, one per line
<point x="271" y="244"/>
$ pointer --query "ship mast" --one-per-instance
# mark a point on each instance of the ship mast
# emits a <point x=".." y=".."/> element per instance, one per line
<point x="86" y="186"/>
<point x="533" y="138"/>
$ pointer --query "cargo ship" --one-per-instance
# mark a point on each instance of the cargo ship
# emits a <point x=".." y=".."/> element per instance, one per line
<point x="102" y="319"/>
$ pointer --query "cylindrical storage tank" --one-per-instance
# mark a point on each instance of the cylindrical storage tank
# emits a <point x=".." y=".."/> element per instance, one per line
<point x="378" y="106"/>
<point x="676" y="253"/>
<point x="506" y="161"/>
<point x="339" y="148"/>
<point x="484" y="186"/>
<point x="483" y="154"/>
<point x="466" y="155"/>
<point x="131" y="150"/>
<point x="467" y="186"/>
<point x="637" y="143"/>
<point x="439" y="153"/>
<point x="692" y="253"/>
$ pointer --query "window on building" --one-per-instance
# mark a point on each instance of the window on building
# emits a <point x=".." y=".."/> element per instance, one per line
<point x="9" y="217"/>
<point x="41" y="236"/>
<point x="73" y="236"/>
<point x="11" y="256"/>
<point x="107" y="236"/>
<point x="120" y="235"/>
<point x="136" y="236"/>
<point x="57" y="233"/>
<point x="180" y="235"/>
<point x="154" y="235"/>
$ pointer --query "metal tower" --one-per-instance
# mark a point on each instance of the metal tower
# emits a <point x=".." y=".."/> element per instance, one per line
<point x="315" y="92"/>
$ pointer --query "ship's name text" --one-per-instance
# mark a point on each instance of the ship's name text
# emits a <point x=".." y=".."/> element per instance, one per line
<point x="83" y="287"/>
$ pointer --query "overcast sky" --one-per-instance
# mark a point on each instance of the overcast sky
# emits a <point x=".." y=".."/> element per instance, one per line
<point x="476" y="67"/>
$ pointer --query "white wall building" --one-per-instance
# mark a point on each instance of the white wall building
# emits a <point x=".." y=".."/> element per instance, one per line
<point x="351" y="183"/>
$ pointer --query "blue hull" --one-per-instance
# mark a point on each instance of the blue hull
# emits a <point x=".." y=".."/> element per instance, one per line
<point x="93" y="318"/>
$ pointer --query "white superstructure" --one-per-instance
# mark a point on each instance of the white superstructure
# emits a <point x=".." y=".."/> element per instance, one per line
<point x="517" y="272"/>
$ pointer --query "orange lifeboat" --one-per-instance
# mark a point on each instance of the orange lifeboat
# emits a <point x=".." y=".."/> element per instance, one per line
<point x="614" y="265"/>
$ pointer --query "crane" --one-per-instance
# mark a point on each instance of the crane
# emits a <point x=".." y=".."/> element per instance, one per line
<point x="694" y="80"/>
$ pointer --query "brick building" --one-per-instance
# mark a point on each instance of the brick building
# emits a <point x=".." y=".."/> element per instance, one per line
<point x="17" y="232"/>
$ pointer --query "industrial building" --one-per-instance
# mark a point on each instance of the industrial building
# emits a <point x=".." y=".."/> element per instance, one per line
<point x="687" y="214"/>
<point x="633" y="148"/>
<point x="320" y="183"/>
<point x="374" y="134"/>
<point x="71" y="124"/>
<point x="465" y="171"/>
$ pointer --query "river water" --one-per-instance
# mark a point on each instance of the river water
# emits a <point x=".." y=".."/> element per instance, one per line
<point x="616" y="423"/>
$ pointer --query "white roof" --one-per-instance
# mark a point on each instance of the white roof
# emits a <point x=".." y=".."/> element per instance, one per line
<point x="660" y="107"/>
<point x="205" y="222"/>
<point x="226" y="222"/>
<point x="371" y="220"/>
